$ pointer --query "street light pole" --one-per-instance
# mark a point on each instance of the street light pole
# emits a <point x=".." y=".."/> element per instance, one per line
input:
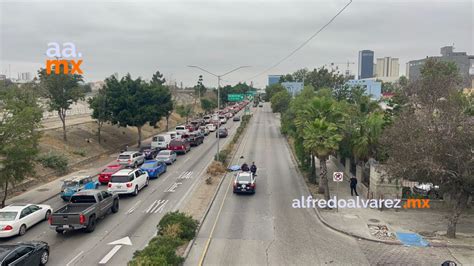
<point x="218" y="98"/>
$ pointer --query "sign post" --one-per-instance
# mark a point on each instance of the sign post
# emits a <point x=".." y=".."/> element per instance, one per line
<point x="337" y="177"/>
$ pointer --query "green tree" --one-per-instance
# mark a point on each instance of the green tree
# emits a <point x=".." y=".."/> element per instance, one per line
<point x="133" y="102"/>
<point x="158" y="79"/>
<point x="200" y="89"/>
<point x="20" y="119"/>
<point x="365" y="138"/>
<point x="272" y="90"/>
<point x="322" y="139"/>
<point x="208" y="104"/>
<point x="61" y="90"/>
<point x="280" y="101"/>
<point x="431" y="140"/>
<point x="100" y="110"/>
<point x="185" y="110"/>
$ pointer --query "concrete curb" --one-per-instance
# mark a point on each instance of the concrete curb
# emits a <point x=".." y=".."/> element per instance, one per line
<point x="328" y="225"/>
<point x="192" y="241"/>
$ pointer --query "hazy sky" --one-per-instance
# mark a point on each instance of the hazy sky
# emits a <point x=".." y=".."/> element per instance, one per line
<point x="141" y="37"/>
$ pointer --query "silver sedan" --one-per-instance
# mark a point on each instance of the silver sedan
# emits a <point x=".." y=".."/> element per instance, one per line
<point x="167" y="156"/>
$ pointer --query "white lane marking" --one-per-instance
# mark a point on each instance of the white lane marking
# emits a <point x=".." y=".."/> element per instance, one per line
<point x="75" y="258"/>
<point x="173" y="187"/>
<point x="134" y="207"/>
<point x="156" y="206"/>
<point x="110" y="254"/>
<point x="161" y="208"/>
<point x="151" y="206"/>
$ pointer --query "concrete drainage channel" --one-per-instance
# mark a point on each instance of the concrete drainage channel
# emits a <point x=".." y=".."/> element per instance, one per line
<point x="191" y="243"/>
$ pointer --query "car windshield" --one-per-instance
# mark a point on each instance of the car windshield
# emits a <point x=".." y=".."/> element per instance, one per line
<point x="109" y="169"/>
<point x="124" y="157"/>
<point x="245" y="178"/>
<point x="83" y="199"/>
<point x="149" y="165"/>
<point x="70" y="183"/>
<point x="8" y="216"/>
<point x="176" y="143"/>
<point x="161" y="138"/>
<point x="164" y="153"/>
<point x="120" y="179"/>
<point x="180" y="128"/>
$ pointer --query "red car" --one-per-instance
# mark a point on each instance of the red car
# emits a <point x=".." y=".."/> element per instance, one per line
<point x="179" y="146"/>
<point x="104" y="176"/>
<point x="190" y="128"/>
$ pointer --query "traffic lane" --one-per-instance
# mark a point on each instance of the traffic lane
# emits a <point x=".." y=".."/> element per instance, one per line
<point x="299" y="236"/>
<point x="141" y="226"/>
<point x="222" y="201"/>
<point x="43" y="232"/>
<point x="269" y="230"/>
<point x="137" y="224"/>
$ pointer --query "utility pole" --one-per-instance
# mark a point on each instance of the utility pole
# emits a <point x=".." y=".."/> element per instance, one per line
<point x="218" y="98"/>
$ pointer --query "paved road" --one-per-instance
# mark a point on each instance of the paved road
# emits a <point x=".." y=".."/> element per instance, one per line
<point x="263" y="229"/>
<point x="137" y="218"/>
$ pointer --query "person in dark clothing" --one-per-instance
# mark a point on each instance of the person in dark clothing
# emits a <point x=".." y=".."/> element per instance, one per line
<point x="353" y="186"/>
<point x="253" y="168"/>
<point x="245" y="167"/>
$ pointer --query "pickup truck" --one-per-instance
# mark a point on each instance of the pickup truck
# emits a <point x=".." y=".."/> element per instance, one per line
<point x="83" y="210"/>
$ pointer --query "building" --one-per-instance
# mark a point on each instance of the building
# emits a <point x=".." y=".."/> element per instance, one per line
<point x="273" y="79"/>
<point x="25" y="76"/>
<point x="366" y="64"/>
<point x="3" y="77"/>
<point x="293" y="87"/>
<point x="387" y="69"/>
<point x="371" y="86"/>
<point x="463" y="61"/>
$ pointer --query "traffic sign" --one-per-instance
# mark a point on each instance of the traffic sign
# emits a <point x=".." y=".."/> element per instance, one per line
<point x="235" y="97"/>
<point x="337" y="176"/>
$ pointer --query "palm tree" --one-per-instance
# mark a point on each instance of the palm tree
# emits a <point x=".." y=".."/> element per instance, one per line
<point x="322" y="138"/>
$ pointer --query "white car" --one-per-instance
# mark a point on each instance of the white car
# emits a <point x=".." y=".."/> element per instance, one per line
<point x="128" y="181"/>
<point x="131" y="158"/>
<point x="181" y="130"/>
<point x="15" y="219"/>
<point x="211" y="127"/>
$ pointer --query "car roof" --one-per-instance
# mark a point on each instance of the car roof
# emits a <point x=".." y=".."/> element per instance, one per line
<point x="77" y="178"/>
<point x="128" y="152"/>
<point x="124" y="172"/>
<point x="14" y="207"/>
<point x="87" y="192"/>
<point x="244" y="174"/>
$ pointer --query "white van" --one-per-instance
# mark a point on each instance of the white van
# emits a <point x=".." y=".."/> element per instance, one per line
<point x="181" y="130"/>
<point x="172" y="134"/>
<point x="161" y="141"/>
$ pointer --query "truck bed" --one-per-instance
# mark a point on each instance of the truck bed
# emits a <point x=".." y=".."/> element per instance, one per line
<point x="73" y="208"/>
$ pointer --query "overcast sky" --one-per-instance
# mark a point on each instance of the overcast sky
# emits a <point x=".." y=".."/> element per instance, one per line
<point x="141" y="37"/>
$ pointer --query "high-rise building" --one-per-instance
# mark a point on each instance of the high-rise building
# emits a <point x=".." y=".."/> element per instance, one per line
<point x="273" y="79"/>
<point x="387" y="69"/>
<point x="25" y="76"/>
<point x="463" y="61"/>
<point x="366" y="64"/>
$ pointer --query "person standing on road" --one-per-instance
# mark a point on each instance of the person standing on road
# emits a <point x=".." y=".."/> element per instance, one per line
<point x="244" y="167"/>
<point x="253" y="169"/>
<point x="353" y="186"/>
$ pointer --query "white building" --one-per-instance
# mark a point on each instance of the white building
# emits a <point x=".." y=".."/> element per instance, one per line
<point x="387" y="69"/>
<point x="25" y="76"/>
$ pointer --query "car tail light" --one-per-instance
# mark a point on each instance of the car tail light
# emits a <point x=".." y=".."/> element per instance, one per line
<point x="7" y="228"/>
<point x="82" y="219"/>
<point x="182" y="147"/>
<point x="252" y="185"/>
<point x="109" y="185"/>
<point x="129" y="161"/>
<point x="129" y="185"/>
<point x="50" y="220"/>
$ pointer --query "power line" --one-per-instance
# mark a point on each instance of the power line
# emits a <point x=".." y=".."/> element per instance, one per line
<point x="304" y="43"/>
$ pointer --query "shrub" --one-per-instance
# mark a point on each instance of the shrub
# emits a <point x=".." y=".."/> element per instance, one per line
<point x="54" y="161"/>
<point x="187" y="225"/>
<point x="216" y="168"/>
<point x="80" y="152"/>
<point x="223" y="156"/>
<point x="160" y="251"/>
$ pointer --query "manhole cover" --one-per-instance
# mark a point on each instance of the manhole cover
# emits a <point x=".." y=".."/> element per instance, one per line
<point x="374" y="221"/>
<point x="42" y="189"/>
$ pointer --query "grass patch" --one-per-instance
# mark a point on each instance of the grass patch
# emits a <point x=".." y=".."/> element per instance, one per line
<point x="174" y="230"/>
<point x="54" y="161"/>
<point x="80" y="152"/>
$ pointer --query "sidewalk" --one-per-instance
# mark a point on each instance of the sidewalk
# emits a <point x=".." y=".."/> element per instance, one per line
<point x="378" y="225"/>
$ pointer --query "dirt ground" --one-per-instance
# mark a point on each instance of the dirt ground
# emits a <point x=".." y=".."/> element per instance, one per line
<point x="201" y="198"/>
<point x="83" y="144"/>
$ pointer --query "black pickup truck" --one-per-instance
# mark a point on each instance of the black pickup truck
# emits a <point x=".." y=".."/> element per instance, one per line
<point x="83" y="210"/>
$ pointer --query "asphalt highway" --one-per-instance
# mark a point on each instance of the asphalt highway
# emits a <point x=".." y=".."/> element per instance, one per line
<point x="137" y="218"/>
<point x="264" y="229"/>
